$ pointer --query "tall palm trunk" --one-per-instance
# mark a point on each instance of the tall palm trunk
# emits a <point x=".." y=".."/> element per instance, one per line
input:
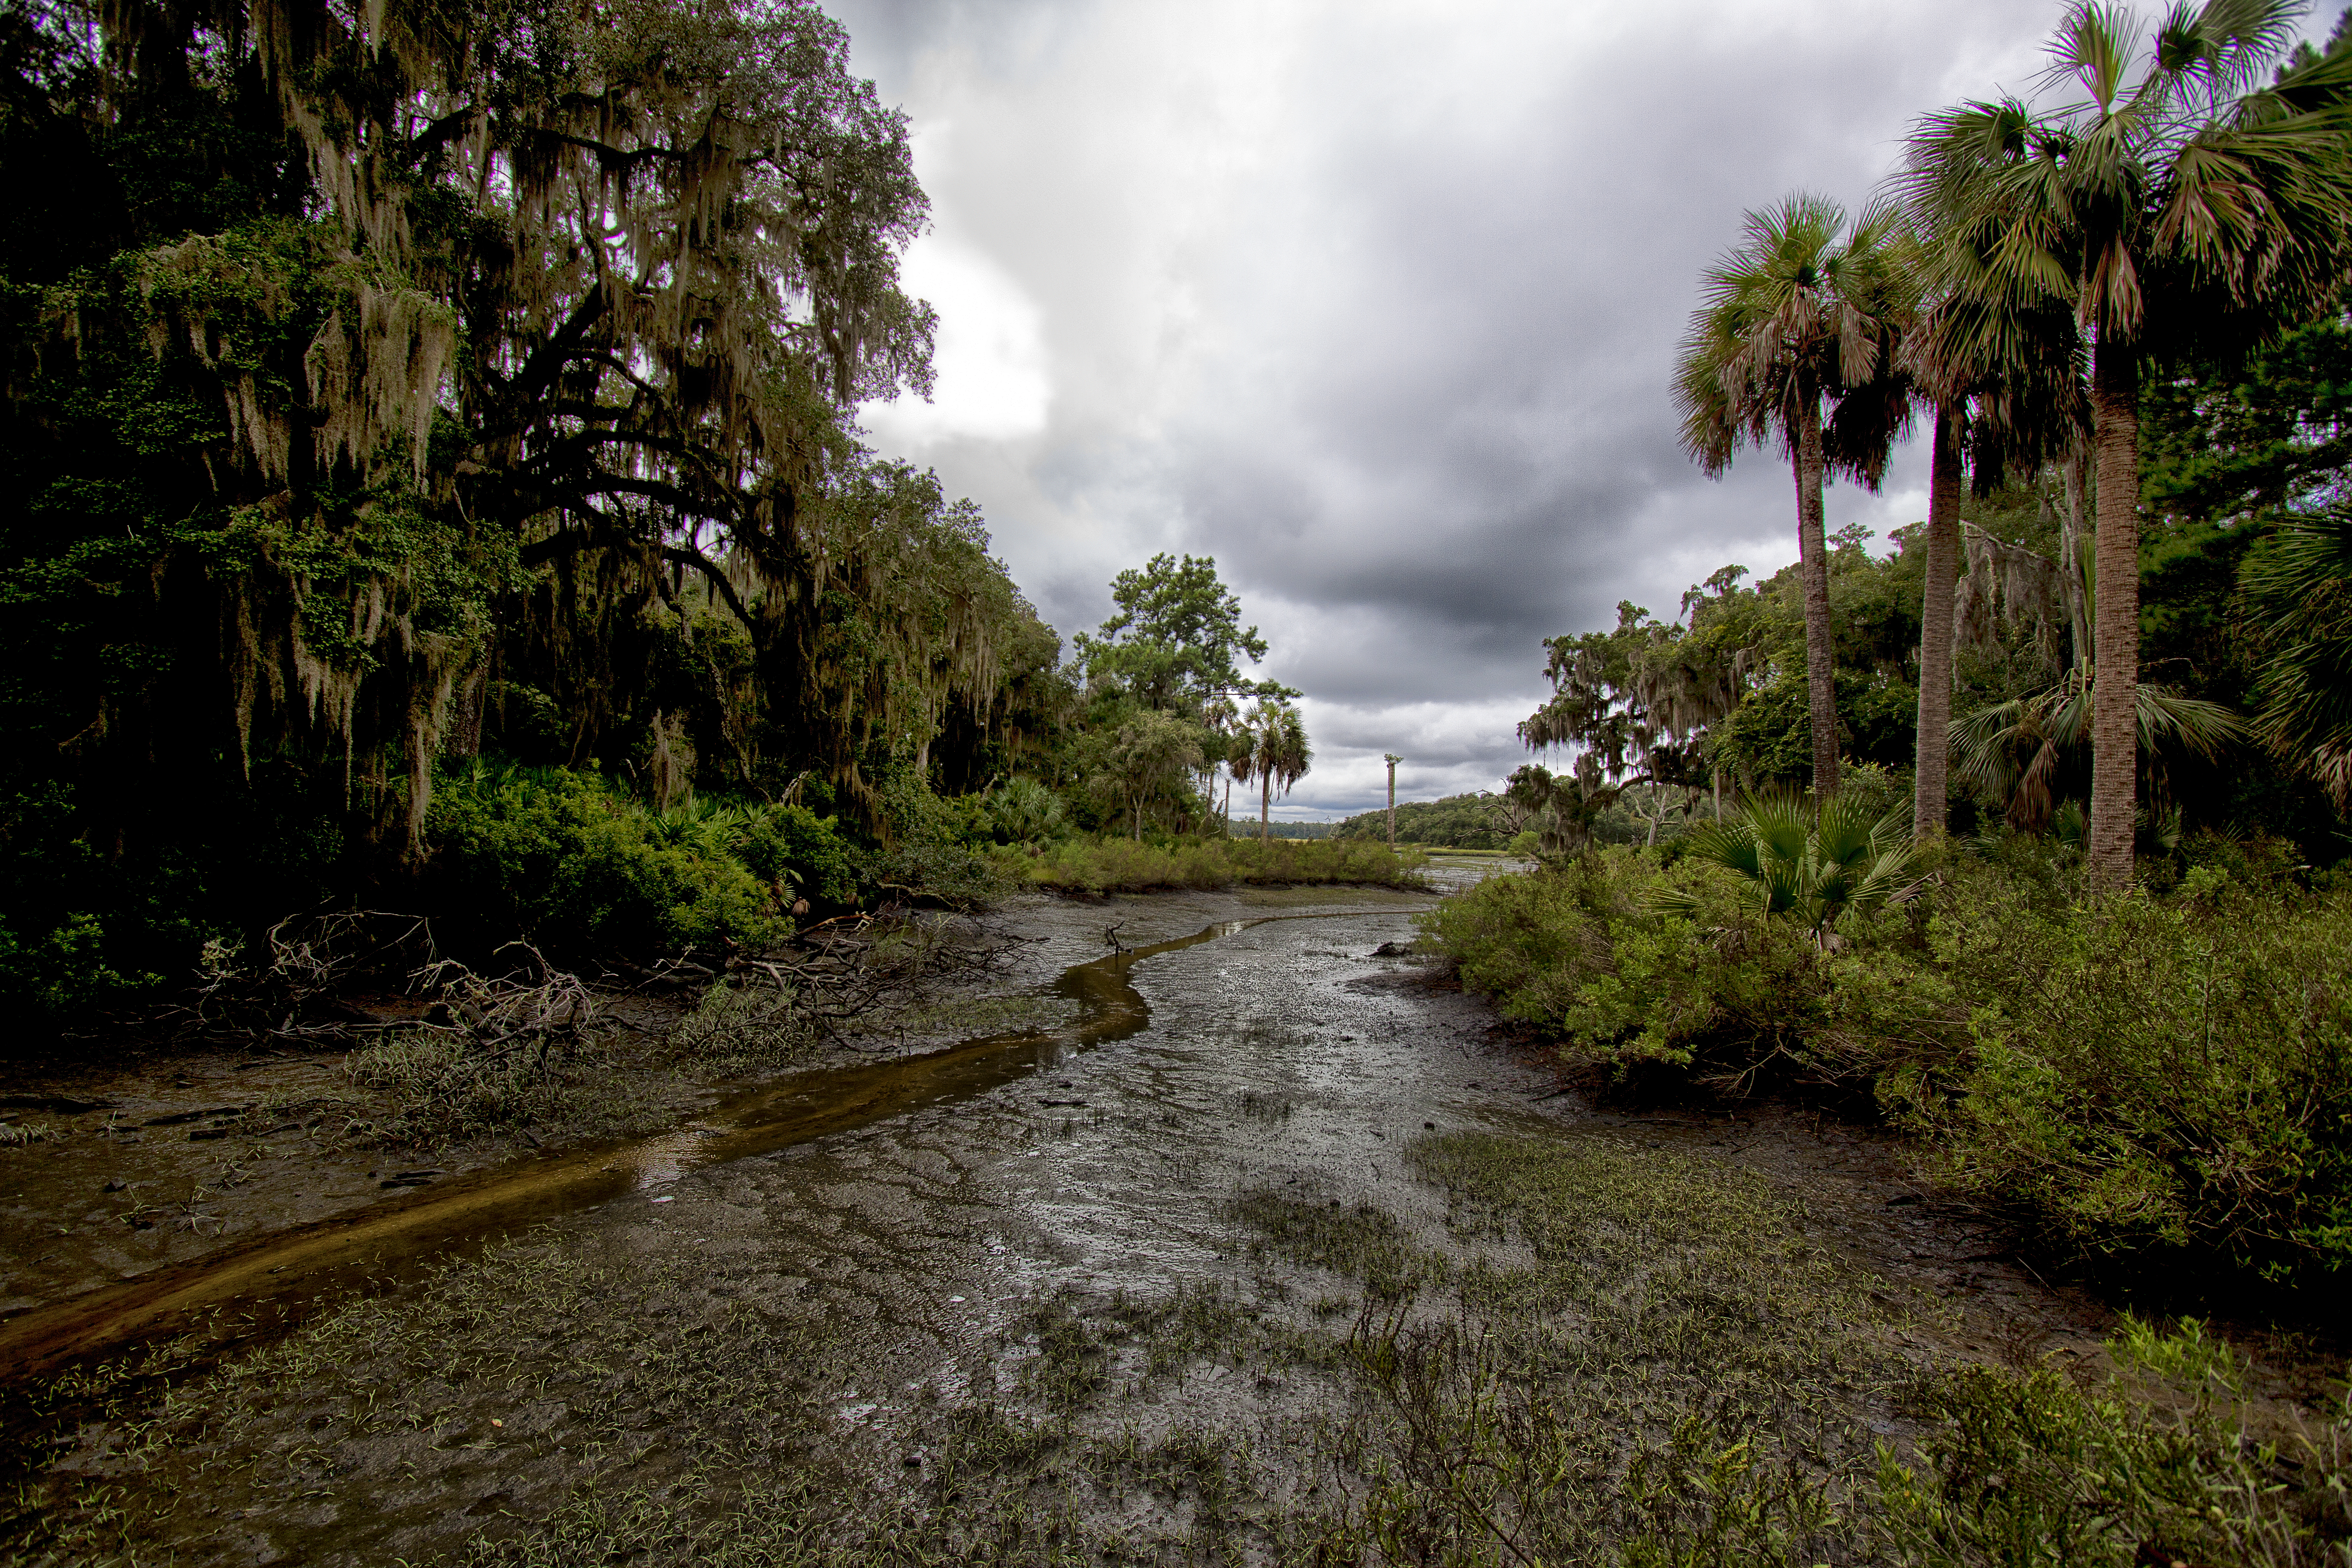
<point x="1812" y="550"/>
<point x="1931" y="814"/>
<point x="2114" y="681"/>
<point x="2076" y="472"/>
<point x="1265" y="805"/>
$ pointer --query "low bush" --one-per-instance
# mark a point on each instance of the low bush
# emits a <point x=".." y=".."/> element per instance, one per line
<point x="1579" y="951"/>
<point x="2141" y="1076"/>
<point x="2160" y="1074"/>
<point x="1115" y="865"/>
<point x="2161" y="1462"/>
<point x="559" y="857"/>
<point x="790" y="845"/>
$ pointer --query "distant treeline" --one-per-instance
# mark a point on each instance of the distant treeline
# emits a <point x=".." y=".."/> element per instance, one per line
<point x="1457" y="822"/>
<point x="1246" y="827"/>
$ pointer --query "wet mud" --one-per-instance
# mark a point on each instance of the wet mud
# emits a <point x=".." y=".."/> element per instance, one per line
<point x="1035" y="1249"/>
<point x="266" y="1281"/>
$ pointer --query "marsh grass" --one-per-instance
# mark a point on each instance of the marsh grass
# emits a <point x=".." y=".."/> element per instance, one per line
<point x="1115" y="865"/>
<point x="433" y="1087"/>
<point x="1361" y="1241"/>
<point x="1603" y="1355"/>
<point x="735" y="1028"/>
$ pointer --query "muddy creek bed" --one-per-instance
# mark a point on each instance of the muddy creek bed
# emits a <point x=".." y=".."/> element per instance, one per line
<point x="1143" y="1285"/>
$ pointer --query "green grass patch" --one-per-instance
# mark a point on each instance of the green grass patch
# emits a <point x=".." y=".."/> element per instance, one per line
<point x="1113" y="865"/>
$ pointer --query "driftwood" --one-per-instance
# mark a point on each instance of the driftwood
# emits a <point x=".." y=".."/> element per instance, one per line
<point x="290" y="992"/>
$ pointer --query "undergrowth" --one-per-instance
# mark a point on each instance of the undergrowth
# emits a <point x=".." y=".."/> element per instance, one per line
<point x="2147" y="1080"/>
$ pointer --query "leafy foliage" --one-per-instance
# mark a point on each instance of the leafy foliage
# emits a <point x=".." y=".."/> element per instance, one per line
<point x="1835" y="864"/>
<point x="2164" y="1075"/>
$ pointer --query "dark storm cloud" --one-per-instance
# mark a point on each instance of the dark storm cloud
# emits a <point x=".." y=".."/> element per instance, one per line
<point x="1377" y="304"/>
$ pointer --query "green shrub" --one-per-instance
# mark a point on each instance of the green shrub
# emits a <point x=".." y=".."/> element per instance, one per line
<point x="2158" y="1463"/>
<point x="1582" y="950"/>
<point x="2140" y="1074"/>
<point x="559" y="858"/>
<point x="2171" y="1073"/>
<point x="792" y="843"/>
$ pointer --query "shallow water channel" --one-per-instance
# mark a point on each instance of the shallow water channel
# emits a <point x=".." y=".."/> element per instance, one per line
<point x="830" y="1263"/>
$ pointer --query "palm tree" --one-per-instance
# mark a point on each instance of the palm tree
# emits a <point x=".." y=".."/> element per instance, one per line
<point x="1392" y="760"/>
<point x="1801" y="309"/>
<point x="2183" y="198"/>
<point x="2001" y="380"/>
<point x="1275" y="752"/>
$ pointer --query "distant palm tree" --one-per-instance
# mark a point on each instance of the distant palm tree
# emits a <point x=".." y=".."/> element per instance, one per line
<point x="1802" y="309"/>
<point x="1275" y="752"/>
<point x="1392" y="760"/>
<point x="2184" y="198"/>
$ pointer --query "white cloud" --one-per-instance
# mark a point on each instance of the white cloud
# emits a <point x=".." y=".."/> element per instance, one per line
<point x="992" y="380"/>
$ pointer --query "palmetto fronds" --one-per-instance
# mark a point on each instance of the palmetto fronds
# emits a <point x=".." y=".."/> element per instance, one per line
<point x="704" y="828"/>
<point x="1817" y="866"/>
<point x="1803" y="306"/>
<point x="1273" y="752"/>
<point x="2301" y="593"/>
<point x="2018" y="753"/>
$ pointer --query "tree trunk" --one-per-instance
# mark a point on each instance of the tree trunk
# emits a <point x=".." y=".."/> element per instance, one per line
<point x="1265" y="805"/>
<point x="2115" y="679"/>
<point x="1392" y="805"/>
<point x="1931" y="814"/>
<point x="1812" y="551"/>
<point x="2070" y="557"/>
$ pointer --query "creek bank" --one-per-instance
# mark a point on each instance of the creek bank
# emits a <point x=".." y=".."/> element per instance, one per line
<point x="154" y="1156"/>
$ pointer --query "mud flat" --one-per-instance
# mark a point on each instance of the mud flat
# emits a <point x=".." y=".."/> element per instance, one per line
<point x="1276" y="1248"/>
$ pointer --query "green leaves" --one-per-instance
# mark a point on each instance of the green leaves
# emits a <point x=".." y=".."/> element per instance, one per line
<point x="2300" y="593"/>
<point x="1802" y="306"/>
<point x="1817" y="866"/>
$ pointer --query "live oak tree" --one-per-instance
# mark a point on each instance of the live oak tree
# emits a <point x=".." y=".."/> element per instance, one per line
<point x="391" y="383"/>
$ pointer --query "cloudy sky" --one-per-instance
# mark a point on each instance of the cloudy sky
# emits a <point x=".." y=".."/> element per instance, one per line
<point x="1376" y="303"/>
